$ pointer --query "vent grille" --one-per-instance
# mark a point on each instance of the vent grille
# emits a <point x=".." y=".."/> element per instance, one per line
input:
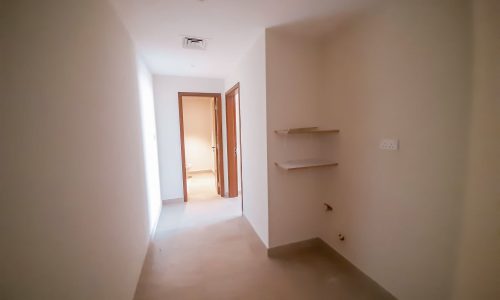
<point x="194" y="43"/>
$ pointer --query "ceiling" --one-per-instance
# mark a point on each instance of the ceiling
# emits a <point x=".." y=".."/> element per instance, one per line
<point x="231" y="27"/>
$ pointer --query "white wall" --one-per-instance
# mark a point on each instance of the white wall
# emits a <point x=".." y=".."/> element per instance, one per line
<point x="251" y="74"/>
<point x="478" y="270"/>
<point x="400" y="69"/>
<point x="73" y="210"/>
<point x="150" y="147"/>
<point x="166" y="90"/>
<point x="198" y="132"/>
<point x="293" y="85"/>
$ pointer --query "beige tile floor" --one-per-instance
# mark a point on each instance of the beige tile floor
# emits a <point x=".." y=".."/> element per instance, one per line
<point x="202" y="186"/>
<point x="206" y="250"/>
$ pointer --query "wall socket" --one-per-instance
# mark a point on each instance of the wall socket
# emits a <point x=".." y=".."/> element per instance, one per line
<point x="389" y="144"/>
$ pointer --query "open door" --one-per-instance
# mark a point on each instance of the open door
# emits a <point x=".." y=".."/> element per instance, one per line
<point x="232" y="140"/>
<point x="218" y="136"/>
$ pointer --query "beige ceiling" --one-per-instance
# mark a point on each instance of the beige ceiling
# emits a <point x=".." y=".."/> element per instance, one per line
<point x="231" y="27"/>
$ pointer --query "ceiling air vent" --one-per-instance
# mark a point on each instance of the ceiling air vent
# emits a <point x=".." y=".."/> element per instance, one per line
<point x="194" y="43"/>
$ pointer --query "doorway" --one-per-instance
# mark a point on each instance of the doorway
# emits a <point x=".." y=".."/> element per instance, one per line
<point x="201" y="145"/>
<point x="233" y="141"/>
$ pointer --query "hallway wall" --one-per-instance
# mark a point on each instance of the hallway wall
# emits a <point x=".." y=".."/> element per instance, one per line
<point x="293" y="97"/>
<point x="251" y="74"/>
<point x="401" y="69"/>
<point x="73" y="212"/>
<point x="150" y="145"/>
<point x="478" y="269"/>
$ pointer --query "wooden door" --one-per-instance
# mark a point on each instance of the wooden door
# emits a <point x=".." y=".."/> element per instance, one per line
<point x="219" y="151"/>
<point x="215" y="155"/>
<point x="232" y="149"/>
<point x="218" y="132"/>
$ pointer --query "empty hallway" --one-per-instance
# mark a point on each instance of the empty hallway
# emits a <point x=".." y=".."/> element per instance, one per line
<point x="341" y="149"/>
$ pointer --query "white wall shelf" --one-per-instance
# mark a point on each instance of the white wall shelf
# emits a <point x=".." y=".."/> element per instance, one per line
<point x="305" y="130"/>
<point x="305" y="164"/>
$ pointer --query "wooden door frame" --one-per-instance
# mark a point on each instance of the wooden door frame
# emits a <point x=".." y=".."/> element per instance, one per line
<point x="240" y="160"/>
<point x="220" y="154"/>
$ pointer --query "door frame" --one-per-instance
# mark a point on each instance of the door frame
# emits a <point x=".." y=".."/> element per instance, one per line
<point x="239" y="179"/>
<point x="218" y="133"/>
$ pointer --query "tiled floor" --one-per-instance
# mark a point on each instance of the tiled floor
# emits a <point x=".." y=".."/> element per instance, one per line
<point x="206" y="250"/>
<point x="197" y="214"/>
<point x="202" y="186"/>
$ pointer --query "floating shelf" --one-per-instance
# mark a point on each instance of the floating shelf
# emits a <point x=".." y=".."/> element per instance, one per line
<point x="305" y="130"/>
<point x="305" y="164"/>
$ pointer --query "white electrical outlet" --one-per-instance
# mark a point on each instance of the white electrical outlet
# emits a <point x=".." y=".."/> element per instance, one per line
<point x="389" y="144"/>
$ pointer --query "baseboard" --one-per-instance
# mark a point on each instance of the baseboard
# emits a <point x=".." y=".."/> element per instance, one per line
<point x="226" y="195"/>
<point x="200" y="171"/>
<point x="155" y="226"/>
<point x="318" y="243"/>
<point x="170" y="201"/>
<point x="148" y="249"/>
<point x="261" y="239"/>
<point x="294" y="247"/>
